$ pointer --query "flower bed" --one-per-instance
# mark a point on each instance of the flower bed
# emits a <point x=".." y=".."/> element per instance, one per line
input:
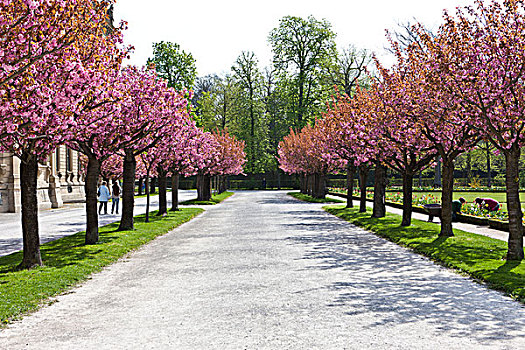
<point x="470" y="213"/>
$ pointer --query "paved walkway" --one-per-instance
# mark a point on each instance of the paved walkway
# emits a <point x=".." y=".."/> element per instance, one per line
<point x="265" y="271"/>
<point x="57" y="223"/>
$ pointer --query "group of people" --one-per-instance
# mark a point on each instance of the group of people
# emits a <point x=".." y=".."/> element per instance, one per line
<point x="104" y="195"/>
<point x="484" y="203"/>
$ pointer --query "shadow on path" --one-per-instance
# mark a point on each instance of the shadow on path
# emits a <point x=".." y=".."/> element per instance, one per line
<point x="398" y="286"/>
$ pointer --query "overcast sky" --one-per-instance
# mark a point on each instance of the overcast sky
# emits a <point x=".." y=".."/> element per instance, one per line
<point x="216" y="31"/>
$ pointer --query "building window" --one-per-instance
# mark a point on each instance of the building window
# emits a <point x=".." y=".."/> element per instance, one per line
<point x="69" y="159"/>
<point x="57" y="160"/>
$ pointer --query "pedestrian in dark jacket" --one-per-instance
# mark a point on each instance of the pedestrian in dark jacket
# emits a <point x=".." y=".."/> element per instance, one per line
<point x="115" y="197"/>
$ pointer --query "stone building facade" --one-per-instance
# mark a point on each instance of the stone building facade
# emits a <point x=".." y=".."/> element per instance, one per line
<point x="59" y="181"/>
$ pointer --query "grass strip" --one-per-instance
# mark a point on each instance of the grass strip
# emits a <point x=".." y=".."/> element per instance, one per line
<point x="215" y="199"/>
<point x="479" y="256"/>
<point x="307" y="198"/>
<point x="68" y="261"/>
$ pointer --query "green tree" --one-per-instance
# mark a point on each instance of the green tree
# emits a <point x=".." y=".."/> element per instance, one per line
<point x="174" y="65"/>
<point x="301" y="49"/>
<point x="250" y="124"/>
<point x="275" y="96"/>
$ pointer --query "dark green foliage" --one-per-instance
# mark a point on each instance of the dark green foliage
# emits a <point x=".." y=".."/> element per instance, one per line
<point x="174" y="65"/>
<point x="301" y="49"/>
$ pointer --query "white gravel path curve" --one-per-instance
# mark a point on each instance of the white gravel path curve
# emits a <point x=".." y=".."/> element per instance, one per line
<point x="265" y="271"/>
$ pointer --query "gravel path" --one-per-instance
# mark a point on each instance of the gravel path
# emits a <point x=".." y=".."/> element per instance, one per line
<point x="264" y="271"/>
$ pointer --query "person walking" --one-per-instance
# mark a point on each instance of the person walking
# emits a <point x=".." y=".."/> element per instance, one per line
<point x="103" y="197"/>
<point x="115" y="197"/>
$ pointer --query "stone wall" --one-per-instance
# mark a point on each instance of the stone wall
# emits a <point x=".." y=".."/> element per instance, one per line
<point x="59" y="181"/>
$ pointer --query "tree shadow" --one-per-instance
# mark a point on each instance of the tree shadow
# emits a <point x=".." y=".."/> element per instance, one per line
<point x="397" y="286"/>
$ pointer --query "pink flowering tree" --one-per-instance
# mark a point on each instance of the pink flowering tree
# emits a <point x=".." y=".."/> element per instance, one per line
<point x="405" y="148"/>
<point x="479" y="56"/>
<point x="223" y="155"/>
<point x="31" y="30"/>
<point x="306" y="154"/>
<point x="182" y="154"/>
<point x="40" y="90"/>
<point x="349" y="135"/>
<point x="149" y="110"/>
<point x="93" y="132"/>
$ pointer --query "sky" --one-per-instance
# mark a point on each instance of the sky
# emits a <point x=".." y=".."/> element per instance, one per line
<point x="215" y="32"/>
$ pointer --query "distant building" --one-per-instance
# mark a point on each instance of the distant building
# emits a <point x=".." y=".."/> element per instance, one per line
<point x="59" y="181"/>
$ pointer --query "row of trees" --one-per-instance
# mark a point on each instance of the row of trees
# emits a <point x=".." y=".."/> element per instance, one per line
<point x="445" y="94"/>
<point x="62" y="82"/>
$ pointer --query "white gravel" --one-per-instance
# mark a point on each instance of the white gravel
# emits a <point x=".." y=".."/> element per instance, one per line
<point x="264" y="271"/>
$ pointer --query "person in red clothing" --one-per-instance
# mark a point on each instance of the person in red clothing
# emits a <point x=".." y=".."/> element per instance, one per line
<point x="487" y="203"/>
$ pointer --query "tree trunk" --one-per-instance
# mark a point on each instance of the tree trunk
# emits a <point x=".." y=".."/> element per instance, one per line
<point x="308" y="180"/>
<point x="141" y="182"/>
<point x="408" y="178"/>
<point x="203" y="187"/>
<point x="350" y="174"/>
<point x="223" y="183"/>
<point x="319" y="186"/>
<point x="163" y="200"/>
<point x="515" y="243"/>
<point x="128" y="197"/>
<point x="175" y="192"/>
<point x="447" y="189"/>
<point x="153" y="185"/>
<point x="363" y="174"/>
<point x="148" y="184"/>
<point x="303" y="184"/>
<point x="379" y="209"/>
<point x="90" y="187"/>
<point x="28" y="189"/>
<point x="489" y="170"/>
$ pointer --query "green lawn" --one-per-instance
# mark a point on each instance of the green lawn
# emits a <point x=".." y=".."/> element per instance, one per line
<point x="478" y="256"/>
<point x="68" y="261"/>
<point x="215" y="199"/>
<point x="307" y="198"/>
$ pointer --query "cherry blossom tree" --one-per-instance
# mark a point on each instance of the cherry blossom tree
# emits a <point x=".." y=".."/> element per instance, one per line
<point x="405" y="148"/>
<point x="478" y="55"/>
<point x="183" y="154"/>
<point x="41" y="79"/>
<point x="31" y="30"/>
<point x="150" y="109"/>
<point x="226" y="158"/>
<point x="306" y="153"/>
<point x="349" y="136"/>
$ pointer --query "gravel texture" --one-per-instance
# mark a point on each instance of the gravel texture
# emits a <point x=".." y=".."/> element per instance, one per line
<point x="265" y="271"/>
